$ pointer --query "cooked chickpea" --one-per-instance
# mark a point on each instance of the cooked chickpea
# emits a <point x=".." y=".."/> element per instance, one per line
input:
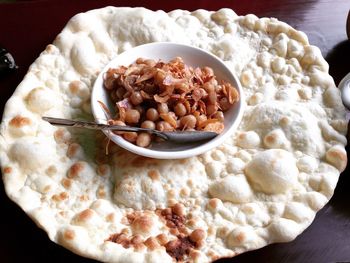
<point x="150" y="62"/>
<point x="148" y="125"/>
<point x="162" y="108"/>
<point x="224" y="104"/>
<point x="117" y="122"/>
<point x="164" y="126"/>
<point x="188" y="121"/>
<point x="130" y="136"/>
<point x="180" y="109"/>
<point x="159" y="77"/>
<point x="152" y="114"/>
<point x="143" y="139"/>
<point x="201" y="118"/>
<point x="132" y="116"/>
<point x="219" y="115"/>
<point x="136" y="98"/>
<point x="172" y="115"/>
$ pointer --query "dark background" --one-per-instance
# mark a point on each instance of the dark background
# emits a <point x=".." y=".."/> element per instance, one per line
<point x="28" y="26"/>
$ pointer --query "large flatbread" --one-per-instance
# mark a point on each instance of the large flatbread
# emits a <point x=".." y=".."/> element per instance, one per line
<point x="263" y="185"/>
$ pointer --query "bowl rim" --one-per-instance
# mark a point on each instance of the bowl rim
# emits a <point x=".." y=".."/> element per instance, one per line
<point x="200" y="149"/>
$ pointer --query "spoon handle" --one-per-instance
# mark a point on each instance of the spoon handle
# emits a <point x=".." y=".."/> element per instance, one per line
<point x="99" y="126"/>
<point x="83" y="124"/>
<point x="177" y="137"/>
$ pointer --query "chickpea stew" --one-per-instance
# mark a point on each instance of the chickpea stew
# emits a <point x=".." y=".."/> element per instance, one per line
<point x="168" y="97"/>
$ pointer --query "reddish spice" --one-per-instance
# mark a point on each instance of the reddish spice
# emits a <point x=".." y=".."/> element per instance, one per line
<point x="173" y="220"/>
<point x="179" y="248"/>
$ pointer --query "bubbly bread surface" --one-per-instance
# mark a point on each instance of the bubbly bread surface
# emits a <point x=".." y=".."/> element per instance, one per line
<point x="263" y="185"/>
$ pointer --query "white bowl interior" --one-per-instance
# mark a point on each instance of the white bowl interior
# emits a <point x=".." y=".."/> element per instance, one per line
<point x="166" y="51"/>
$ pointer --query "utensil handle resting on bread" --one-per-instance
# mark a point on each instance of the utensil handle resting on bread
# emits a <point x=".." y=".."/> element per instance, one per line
<point x="177" y="137"/>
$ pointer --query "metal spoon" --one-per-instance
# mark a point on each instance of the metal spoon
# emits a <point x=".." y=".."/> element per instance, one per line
<point x="176" y="137"/>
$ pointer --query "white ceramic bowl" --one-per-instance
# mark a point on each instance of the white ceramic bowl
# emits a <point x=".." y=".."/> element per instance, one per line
<point x="166" y="51"/>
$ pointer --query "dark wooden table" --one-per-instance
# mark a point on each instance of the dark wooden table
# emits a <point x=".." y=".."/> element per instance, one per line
<point x="28" y="26"/>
